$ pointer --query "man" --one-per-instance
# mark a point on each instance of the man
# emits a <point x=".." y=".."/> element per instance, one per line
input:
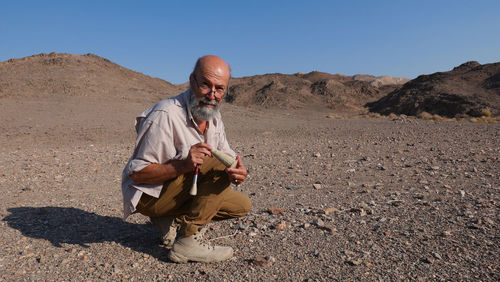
<point x="174" y="137"/>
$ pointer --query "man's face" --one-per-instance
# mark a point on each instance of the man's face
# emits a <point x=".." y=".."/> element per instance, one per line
<point x="208" y="87"/>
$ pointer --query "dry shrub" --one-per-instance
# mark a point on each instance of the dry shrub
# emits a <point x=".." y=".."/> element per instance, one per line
<point x="476" y="120"/>
<point x="375" y="115"/>
<point x="425" y="115"/>
<point x="437" y="117"/>
<point x="392" y="115"/>
<point x="486" y="113"/>
<point x="460" y="119"/>
<point x="492" y="121"/>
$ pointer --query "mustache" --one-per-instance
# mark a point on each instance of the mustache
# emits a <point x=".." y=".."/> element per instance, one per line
<point x="207" y="101"/>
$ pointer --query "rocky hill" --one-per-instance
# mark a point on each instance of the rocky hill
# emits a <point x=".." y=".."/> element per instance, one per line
<point x="57" y="75"/>
<point x="299" y="90"/>
<point x="67" y="75"/>
<point x="468" y="89"/>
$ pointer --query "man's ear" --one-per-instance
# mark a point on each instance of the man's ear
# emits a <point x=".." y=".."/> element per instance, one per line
<point x="191" y="80"/>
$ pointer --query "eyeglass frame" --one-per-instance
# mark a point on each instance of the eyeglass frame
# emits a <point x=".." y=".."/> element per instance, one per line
<point x="208" y="89"/>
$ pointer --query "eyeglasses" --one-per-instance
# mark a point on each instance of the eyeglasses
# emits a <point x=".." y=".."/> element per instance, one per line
<point x="206" y="88"/>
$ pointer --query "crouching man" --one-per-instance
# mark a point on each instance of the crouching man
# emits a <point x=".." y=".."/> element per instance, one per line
<point x="174" y="137"/>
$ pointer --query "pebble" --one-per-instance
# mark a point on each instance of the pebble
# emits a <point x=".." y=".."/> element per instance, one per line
<point x="317" y="186"/>
<point x="436" y="255"/>
<point x="263" y="261"/>
<point x="280" y="226"/>
<point x="320" y="222"/>
<point x="354" y="262"/>
<point x="292" y="187"/>
<point x="275" y="211"/>
<point x="446" y="233"/>
<point x="331" y="210"/>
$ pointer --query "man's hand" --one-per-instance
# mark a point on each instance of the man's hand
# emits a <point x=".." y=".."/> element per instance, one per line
<point x="196" y="155"/>
<point x="237" y="174"/>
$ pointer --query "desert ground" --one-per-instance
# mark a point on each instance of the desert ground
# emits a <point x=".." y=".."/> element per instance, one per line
<point x="334" y="197"/>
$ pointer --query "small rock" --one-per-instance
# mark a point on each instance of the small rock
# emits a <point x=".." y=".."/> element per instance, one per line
<point x="292" y="187"/>
<point x="320" y="222"/>
<point x="280" y="226"/>
<point x="306" y="225"/>
<point x="263" y="261"/>
<point x="462" y="193"/>
<point x="446" y="233"/>
<point x="317" y="155"/>
<point x="436" y="255"/>
<point x="354" y="262"/>
<point x="428" y="260"/>
<point x="446" y="186"/>
<point x="276" y="211"/>
<point x="317" y="186"/>
<point x="328" y="228"/>
<point x="331" y="210"/>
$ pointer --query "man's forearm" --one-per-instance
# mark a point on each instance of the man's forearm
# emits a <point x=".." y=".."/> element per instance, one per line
<point x="159" y="173"/>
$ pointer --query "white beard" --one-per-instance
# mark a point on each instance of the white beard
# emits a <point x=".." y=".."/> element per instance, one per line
<point x="200" y="112"/>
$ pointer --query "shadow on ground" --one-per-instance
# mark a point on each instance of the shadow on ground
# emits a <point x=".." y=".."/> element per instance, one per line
<point x="61" y="225"/>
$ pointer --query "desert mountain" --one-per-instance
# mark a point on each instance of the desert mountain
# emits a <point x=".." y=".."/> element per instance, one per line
<point x="66" y="75"/>
<point x="303" y="90"/>
<point x="466" y="90"/>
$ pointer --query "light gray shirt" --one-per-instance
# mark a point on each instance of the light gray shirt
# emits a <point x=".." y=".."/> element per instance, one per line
<point x="165" y="132"/>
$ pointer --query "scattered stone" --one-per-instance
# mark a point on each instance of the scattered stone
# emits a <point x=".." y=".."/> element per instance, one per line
<point x="320" y="223"/>
<point x="446" y="233"/>
<point x="306" y="225"/>
<point x="292" y="187"/>
<point x="317" y="186"/>
<point x="280" y="226"/>
<point x="428" y="260"/>
<point x="263" y="261"/>
<point x="317" y="155"/>
<point x="276" y="211"/>
<point x="354" y="262"/>
<point x="328" y="228"/>
<point x="331" y="210"/>
<point x="436" y="255"/>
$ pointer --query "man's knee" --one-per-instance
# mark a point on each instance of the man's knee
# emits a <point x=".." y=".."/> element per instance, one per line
<point x="246" y="205"/>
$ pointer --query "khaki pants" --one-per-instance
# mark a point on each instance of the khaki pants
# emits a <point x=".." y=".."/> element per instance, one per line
<point x="214" y="201"/>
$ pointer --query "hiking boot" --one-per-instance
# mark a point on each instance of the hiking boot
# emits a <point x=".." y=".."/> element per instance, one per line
<point x="191" y="248"/>
<point x="167" y="227"/>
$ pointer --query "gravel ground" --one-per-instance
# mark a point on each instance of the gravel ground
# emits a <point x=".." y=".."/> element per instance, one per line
<point x="333" y="199"/>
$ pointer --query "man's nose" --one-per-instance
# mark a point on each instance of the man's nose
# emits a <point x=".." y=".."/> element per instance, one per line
<point x="211" y="94"/>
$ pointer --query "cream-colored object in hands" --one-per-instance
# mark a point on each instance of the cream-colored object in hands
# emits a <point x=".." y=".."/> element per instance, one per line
<point x="226" y="159"/>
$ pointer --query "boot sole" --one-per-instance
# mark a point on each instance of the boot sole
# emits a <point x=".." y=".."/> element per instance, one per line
<point x="176" y="257"/>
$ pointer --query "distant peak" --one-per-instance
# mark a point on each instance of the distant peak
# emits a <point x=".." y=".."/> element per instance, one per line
<point x="467" y="65"/>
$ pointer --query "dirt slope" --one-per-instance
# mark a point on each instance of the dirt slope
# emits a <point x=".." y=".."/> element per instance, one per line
<point x="333" y="91"/>
<point x="466" y="90"/>
<point x="67" y="75"/>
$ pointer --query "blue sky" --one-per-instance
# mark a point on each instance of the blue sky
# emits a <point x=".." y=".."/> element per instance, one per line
<point x="164" y="38"/>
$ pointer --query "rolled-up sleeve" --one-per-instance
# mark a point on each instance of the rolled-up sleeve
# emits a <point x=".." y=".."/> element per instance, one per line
<point x="154" y="145"/>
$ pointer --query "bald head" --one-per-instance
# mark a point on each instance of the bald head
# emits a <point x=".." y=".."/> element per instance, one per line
<point x="213" y="66"/>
